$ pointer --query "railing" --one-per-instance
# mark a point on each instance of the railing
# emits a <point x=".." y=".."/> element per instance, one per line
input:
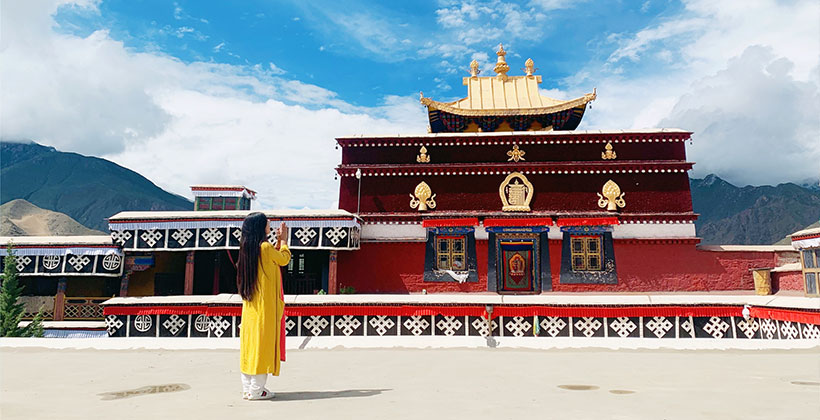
<point x="32" y="305"/>
<point x="83" y="308"/>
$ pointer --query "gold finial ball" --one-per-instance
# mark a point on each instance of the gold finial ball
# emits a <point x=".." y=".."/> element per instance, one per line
<point x="474" y="70"/>
<point x="501" y="51"/>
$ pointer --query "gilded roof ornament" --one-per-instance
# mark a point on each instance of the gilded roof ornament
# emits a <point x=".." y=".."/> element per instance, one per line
<point x="515" y="154"/>
<point x="424" y="198"/>
<point x="501" y="68"/>
<point x="423" y="157"/>
<point x="474" y="70"/>
<point x="612" y="197"/>
<point x="515" y="196"/>
<point x="529" y="67"/>
<point x="608" y="154"/>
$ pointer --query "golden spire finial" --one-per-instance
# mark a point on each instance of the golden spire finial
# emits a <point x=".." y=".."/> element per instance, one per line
<point x="474" y="70"/>
<point x="529" y="67"/>
<point x="501" y="67"/>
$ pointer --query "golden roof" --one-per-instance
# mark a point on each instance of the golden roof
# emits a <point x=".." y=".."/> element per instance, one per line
<point x="503" y="95"/>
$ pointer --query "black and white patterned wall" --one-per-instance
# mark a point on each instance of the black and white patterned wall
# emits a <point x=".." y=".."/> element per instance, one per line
<point x="109" y="265"/>
<point x="186" y="239"/>
<point x="656" y="327"/>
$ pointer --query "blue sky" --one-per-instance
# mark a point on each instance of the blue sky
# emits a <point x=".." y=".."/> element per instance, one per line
<point x="366" y="50"/>
<point x="255" y="92"/>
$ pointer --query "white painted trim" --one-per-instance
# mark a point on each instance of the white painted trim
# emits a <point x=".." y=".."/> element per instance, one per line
<point x="653" y="231"/>
<point x="424" y="342"/>
<point x="550" y="298"/>
<point x="746" y="248"/>
<point x="397" y="233"/>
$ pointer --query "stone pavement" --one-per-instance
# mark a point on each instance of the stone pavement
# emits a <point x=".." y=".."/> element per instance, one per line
<point x="474" y="384"/>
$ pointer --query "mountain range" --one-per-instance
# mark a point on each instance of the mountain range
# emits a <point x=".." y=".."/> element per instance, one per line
<point x="752" y="215"/>
<point x="87" y="189"/>
<point x="90" y="189"/>
<point x="21" y="218"/>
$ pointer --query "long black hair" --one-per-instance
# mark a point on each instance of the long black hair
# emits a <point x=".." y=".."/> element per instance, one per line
<point x="250" y="246"/>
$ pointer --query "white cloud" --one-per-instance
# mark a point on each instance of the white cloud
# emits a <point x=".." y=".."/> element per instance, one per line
<point x="753" y="122"/>
<point x="743" y="76"/>
<point x="180" y="123"/>
<point x="218" y="47"/>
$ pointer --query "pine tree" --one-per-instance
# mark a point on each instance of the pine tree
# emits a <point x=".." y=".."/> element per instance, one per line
<point x="11" y="310"/>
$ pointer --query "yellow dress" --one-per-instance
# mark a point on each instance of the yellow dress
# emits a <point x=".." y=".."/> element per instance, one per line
<point x="260" y="335"/>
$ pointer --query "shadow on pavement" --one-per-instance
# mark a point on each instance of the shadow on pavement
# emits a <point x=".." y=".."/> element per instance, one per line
<point x="321" y="395"/>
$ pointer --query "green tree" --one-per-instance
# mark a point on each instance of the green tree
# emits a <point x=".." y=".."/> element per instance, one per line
<point x="11" y="310"/>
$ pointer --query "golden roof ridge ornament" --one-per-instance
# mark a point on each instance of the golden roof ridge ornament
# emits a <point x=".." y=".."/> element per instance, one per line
<point x="501" y="68"/>
<point x="474" y="70"/>
<point x="424" y="197"/>
<point x="515" y="196"/>
<point x="529" y="67"/>
<point x="612" y="197"/>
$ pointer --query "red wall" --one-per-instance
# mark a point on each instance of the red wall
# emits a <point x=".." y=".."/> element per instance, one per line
<point x="788" y="280"/>
<point x="398" y="155"/>
<point x="399" y="268"/>
<point x="642" y="267"/>
<point x="644" y="193"/>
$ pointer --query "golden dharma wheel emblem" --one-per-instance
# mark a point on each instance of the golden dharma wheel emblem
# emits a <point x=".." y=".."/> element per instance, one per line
<point x="515" y="154"/>
<point x="423" y="157"/>
<point x="608" y="153"/>
<point x="516" y="192"/>
<point x="612" y="197"/>
<point x="424" y="198"/>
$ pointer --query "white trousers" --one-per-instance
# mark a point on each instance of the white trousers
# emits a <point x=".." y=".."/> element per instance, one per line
<point x="253" y="384"/>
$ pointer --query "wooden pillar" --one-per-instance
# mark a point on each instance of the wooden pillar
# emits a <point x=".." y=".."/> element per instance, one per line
<point x="189" y="273"/>
<point x="217" y="264"/>
<point x="332" y="283"/>
<point x="124" y="283"/>
<point x="59" y="300"/>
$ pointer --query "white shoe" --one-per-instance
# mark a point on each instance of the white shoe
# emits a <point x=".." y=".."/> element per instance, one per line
<point x="265" y="395"/>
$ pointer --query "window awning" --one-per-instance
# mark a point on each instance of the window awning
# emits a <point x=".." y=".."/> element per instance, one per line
<point x="469" y="221"/>
<point x="514" y="222"/>
<point x="588" y="221"/>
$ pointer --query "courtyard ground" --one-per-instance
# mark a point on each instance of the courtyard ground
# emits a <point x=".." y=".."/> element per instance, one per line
<point x="39" y="383"/>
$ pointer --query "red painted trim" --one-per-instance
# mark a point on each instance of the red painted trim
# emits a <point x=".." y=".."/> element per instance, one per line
<point x="220" y="219"/>
<point x="617" y="311"/>
<point x="785" y="315"/>
<point x="800" y="238"/>
<point x="588" y="221"/>
<point x="808" y="317"/>
<point x="156" y="309"/>
<point x="535" y="221"/>
<point x="64" y="246"/>
<point x="472" y="221"/>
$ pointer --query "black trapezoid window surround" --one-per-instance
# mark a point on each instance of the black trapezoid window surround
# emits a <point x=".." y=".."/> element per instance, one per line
<point x="588" y="256"/>
<point x="450" y="255"/>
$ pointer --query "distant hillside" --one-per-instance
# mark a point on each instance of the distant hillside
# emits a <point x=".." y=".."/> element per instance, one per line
<point x="751" y="215"/>
<point x="87" y="189"/>
<point x="21" y="218"/>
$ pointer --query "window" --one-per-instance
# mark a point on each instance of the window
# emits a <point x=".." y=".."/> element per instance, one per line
<point x="451" y="253"/>
<point x="203" y="203"/>
<point x="586" y="253"/>
<point x="230" y="203"/>
<point x="216" y="204"/>
<point x="811" y="270"/>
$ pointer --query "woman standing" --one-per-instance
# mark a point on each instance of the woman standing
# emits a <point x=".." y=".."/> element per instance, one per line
<point x="259" y="282"/>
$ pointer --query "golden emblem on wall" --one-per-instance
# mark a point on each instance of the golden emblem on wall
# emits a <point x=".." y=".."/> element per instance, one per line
<point x="612" y="197"/>
<point x="424" y="198"/>
<point x="516" y="192"/>
<point x="423" y="157"/>
<point x="608" y="153"/>
<point x="516" y="154"/>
